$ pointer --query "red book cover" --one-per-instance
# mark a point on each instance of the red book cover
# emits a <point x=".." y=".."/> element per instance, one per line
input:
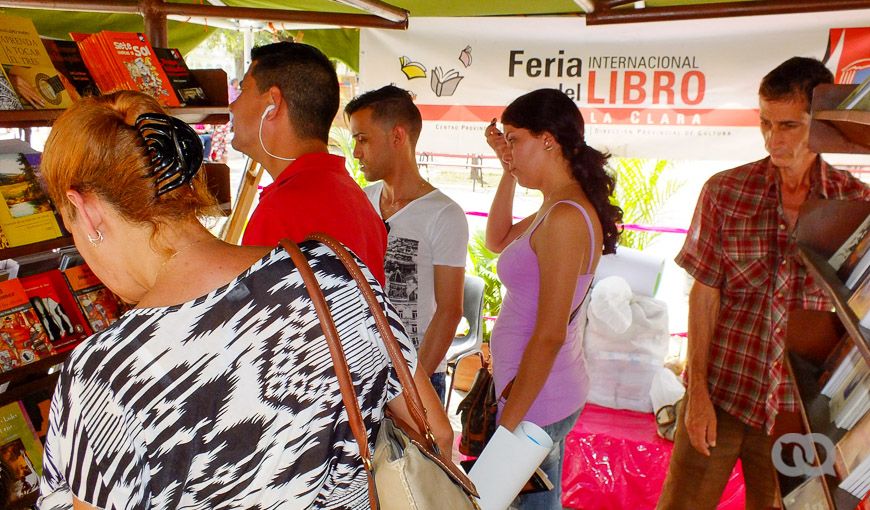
<point x="91" y="57"/>
<point x="56" y="308"/>
<point x="22" y="338"/>
<point x="134" y="56"/>
<point x="100" y="305"/>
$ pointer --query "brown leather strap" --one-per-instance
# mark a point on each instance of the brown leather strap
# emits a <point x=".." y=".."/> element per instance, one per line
<point x="400" y="364"/>
<point x="348" y="395"/>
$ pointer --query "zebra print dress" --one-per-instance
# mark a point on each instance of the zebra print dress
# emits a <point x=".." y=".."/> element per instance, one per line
<point x="226" y="401"/>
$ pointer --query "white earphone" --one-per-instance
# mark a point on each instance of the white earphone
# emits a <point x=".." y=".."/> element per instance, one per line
<point x="268" y="109"/>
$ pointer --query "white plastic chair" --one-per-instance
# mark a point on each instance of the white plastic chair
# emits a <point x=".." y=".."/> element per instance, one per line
<point x="470" y="343"/>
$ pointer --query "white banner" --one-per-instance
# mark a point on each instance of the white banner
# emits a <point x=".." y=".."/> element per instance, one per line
<point x="671" y="90"/>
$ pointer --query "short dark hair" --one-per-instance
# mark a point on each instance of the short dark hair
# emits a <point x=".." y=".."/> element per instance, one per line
<point x="796" y="77"/>
<point x="390" y="104"/>
<point x="307" y="81"/>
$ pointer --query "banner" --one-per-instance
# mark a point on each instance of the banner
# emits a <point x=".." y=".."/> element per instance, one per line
<point x="671" y="90"/>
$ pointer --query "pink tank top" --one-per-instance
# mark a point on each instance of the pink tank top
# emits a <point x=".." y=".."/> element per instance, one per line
<point x="568" y="383"/>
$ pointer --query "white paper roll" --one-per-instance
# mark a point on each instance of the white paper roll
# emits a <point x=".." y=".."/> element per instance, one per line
<point x="507" y="463"/>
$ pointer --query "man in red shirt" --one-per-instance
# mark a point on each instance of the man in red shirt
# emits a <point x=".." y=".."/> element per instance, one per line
<point x="741" y="251"/>
<point x="282" y="117"/>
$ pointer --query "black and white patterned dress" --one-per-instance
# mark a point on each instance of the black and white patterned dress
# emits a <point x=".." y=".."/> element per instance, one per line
<point x="226" y="401"/>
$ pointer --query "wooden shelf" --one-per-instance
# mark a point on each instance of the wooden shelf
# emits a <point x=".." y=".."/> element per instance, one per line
<point x="827" y="278"/>
<point x="42" y="118"/>
<point x="38" y="367"/>
<point x="841" y="131"/>
<point x="50" y="244"/>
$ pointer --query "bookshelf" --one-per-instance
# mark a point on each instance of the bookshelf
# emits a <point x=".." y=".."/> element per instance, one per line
<point x="213" y="82"/>
<point x="823" y="226"/>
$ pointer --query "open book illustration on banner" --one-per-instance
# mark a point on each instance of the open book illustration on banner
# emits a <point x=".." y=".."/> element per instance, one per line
<point x="412" y="69"/>
<point x="465" y="56"/>
<point x="445" y="83"/>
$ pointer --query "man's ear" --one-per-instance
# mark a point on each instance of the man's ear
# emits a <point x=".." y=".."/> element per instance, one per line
<point x="275" y="97"/>
<point x="398" y="135"/>
<point x="89" y="211"/>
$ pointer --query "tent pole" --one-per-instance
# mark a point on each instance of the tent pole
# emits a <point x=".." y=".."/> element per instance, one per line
<point x="604" y="15"/>
<point x="378" y="8"/>
<point x="155" y="22"/>
<point x="250" y="13"/>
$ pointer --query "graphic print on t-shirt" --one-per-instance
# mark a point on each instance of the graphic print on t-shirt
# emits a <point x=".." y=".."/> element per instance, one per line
<point x="400" y="266"/>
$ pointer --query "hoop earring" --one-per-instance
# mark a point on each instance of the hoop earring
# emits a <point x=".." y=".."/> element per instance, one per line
<point x="96" y="240"/>
<point x="548" y="148"/>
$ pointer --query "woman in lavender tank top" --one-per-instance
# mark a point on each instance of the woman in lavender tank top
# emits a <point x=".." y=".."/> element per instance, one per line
<point x="546" y="265"/>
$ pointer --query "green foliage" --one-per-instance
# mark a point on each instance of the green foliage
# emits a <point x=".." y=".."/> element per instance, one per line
<point x="341" y="140"/>
<point x="483" y="264"/>
<point x="641" y="192"/>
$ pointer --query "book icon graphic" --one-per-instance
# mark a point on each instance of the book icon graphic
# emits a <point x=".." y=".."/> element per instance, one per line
<point x="444" y="83"/>
<point x="465" y="56"/>
<point x="412" y="69"/>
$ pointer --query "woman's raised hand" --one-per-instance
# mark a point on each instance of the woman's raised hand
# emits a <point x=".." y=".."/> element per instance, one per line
<point x="495" y="139"/>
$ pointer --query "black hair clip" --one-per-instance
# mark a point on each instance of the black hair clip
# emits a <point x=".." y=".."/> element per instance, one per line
<point x="175" y="149"/>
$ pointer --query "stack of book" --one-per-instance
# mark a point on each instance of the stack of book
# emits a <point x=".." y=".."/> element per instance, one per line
<point x="852" y="460"/>
<point x="46" y="73"/>
<point x="852" y="263"/>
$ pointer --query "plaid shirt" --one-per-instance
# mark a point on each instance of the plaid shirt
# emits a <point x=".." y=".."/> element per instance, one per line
<point x="739" y="242"/>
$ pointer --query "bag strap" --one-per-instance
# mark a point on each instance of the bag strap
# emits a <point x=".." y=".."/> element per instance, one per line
<point x="336" y="352"/>
<point x="400" y="364"/>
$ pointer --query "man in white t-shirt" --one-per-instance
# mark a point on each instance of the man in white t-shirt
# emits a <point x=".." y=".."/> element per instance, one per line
<point x="427" y="238"/>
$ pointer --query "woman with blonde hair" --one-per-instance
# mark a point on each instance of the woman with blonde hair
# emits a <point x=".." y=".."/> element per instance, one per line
<point x="217" y="389"/>
<point x="546" y="265"/>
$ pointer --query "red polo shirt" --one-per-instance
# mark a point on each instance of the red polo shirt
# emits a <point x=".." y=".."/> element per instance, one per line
<point x="316" y="194"/>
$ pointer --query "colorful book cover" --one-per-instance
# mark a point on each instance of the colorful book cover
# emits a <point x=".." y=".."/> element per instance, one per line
<point x="100" y="306"/>
<point x="26" y="213"/>
<point x="22" y="337"/>
<point x="188" y="90"/>
<point x="133" y="55"/>
<point x="68" y="61"/>
<point x="28" y="67"/>
<point x="8" y="97"/>
<point x="56" y="308"/>
<point x="20" y="451"/>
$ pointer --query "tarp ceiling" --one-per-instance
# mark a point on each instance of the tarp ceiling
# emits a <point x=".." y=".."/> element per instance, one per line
<point x="338" y="44"/>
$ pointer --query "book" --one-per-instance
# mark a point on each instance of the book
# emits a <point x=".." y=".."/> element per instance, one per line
<point x="810" y="495"/>
<point x="28" y="67"/>
<point x="187" y="88"/>
<point x="859" y="301"/>
<point x="57" y="309"/>
<point x="840" y="366"/>
<point x="99" y="305"/>
<point x="8" y="97"/>
<point x="125" y="60"/>
<point x="858" y="99"/>
<point x="412" y="69"/>
<point x="26" y="213"/>
<point x="22" y="339"/>
<point x="444" y="83"/>
<point x="839" y="257"/>
<point x="68" y="61"/>
<point x="20" y="451"/>
<point x="851" y="396"/>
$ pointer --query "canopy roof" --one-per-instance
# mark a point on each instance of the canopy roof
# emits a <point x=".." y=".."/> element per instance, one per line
<point x="186" y="34"/>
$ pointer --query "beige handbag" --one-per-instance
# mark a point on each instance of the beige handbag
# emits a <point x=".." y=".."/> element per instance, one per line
<point x="407" y="471"/>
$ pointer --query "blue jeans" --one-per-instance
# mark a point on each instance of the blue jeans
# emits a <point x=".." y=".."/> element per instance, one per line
<point x="438" y="380"/>
<point x="552" y="465"/>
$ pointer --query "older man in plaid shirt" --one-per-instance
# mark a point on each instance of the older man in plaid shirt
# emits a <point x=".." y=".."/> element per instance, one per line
<point x="741" y="252"/>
